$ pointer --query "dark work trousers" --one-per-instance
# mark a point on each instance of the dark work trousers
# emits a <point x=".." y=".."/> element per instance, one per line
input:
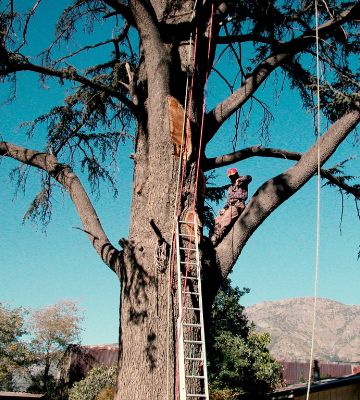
<point x="224" y="221"/>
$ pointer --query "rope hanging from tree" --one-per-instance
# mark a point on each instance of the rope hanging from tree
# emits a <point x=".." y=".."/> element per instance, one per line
<point x="177" y="199"/>
<point x="182" y="166"/>
<point x="318" y="135"/>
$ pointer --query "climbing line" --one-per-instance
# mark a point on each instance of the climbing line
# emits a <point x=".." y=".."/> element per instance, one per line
<point x="203" y="107"/>
<point x="182" y="298"/>
<point x="182" y="164"/>
<point x="172" y="253"/>
<point x="317" y="256"/>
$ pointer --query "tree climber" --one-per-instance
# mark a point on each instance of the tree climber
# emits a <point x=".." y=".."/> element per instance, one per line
<point x="234" y="206"/>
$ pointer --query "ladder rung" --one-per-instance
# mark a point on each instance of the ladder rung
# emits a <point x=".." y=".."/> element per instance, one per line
<point x="196" y="395"/>
<point x="186" y="222"/>
<point x="188" y="263"/>
<point x="192" y="278"/>
<point x="188" y="324"/>
<point x="193" y="308"/>
<point x="186" y="235"/>
<point x="196" y="293"/>
<point x="195" y="376"/>
<point x="194" y="359"/>
<point x="189" y="249"/>
<point x="193" y="341"/>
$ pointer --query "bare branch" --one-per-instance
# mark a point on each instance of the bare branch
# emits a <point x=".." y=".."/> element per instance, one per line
<point x="70" y="182"/>
<point x="20" y="63"/>
<point x="217" y="116"/>
<point x="27" y="21"/>
<point x="118" y="39"/>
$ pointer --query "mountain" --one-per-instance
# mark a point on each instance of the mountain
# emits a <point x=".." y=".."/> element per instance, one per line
<point x="290" y="324"/>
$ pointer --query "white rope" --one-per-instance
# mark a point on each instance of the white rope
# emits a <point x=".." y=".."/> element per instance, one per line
<point x="316" y="279"/>
<point x="175" y="212"/>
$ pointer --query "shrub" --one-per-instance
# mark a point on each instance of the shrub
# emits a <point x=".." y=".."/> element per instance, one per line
<point x="100" y="381"/>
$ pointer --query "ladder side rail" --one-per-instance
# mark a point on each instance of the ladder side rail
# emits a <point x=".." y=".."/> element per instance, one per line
<point x="206" y="385"/>
<point x="181" y="357"/>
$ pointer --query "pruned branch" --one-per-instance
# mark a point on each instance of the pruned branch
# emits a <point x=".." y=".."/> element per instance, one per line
<point x="277" y="190"/>
<point x="70" y="182"/>
<point x="218" y="115"/>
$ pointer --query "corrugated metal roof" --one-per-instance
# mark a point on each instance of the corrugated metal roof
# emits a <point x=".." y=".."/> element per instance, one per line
<point x="320" y="386"/>
<point x="79" y="360"/>
<point x="296" y="372"/>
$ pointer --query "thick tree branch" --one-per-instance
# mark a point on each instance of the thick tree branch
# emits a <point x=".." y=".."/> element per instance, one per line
<point x="227" y="159"/>
<point x="66" y="177"/>
<point x="156" y="57"/>
<point x="258" y="151"/>
<point x="121" y="9"/>
<point x="155" y="54"/>
<point x="218" y="115"/>
<point x="277" y="190"/>
<point x="19" y="63"/>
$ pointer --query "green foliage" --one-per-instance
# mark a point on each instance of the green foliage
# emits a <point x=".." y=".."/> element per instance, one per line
<point x="32" y="343"/>
<point x="52" y="328"/>
<point x="106" y="394"/>
<point x="13" y="352"/>
<point x="97" y="385"/>
<point x="240" y="365"/>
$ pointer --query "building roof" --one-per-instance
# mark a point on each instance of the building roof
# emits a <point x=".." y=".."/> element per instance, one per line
<point x="297" y="371"/>
<point x="290" y="392"/>
<point x="79" y="360"/>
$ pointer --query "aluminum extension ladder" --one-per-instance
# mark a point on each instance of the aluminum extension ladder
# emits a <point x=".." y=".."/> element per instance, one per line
<point x="192" y="369"/>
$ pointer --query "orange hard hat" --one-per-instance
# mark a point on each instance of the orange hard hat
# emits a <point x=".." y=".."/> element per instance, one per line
<point x="232" y="171"/>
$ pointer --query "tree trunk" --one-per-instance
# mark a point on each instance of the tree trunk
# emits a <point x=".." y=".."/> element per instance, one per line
<point x="149" y="309"/>
<point x="148" y="305"/>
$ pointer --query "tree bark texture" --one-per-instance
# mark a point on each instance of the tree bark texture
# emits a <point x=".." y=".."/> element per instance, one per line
<point x="149" y="309"/>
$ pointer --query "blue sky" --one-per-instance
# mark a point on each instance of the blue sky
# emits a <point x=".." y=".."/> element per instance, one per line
<point x="39" y="269"/>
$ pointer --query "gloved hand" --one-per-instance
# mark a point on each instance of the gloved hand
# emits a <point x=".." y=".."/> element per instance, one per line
<point x="222" y="211"/>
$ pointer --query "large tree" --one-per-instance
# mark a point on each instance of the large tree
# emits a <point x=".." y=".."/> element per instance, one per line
<point x="13" y="351"/>
<point x="162" y="54"/>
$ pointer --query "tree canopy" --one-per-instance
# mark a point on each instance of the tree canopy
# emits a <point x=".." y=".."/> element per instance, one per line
<point x="33" y="342"/>
<point x="148" y="54"/>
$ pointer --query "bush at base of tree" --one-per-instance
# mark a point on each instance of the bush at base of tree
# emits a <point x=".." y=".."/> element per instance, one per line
<point x="99" y="384"/>
<point x="106" y="394"/>
<point x="240" y="365"/>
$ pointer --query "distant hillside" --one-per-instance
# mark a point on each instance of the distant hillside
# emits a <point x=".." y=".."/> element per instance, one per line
<point x="290" y="324"/>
